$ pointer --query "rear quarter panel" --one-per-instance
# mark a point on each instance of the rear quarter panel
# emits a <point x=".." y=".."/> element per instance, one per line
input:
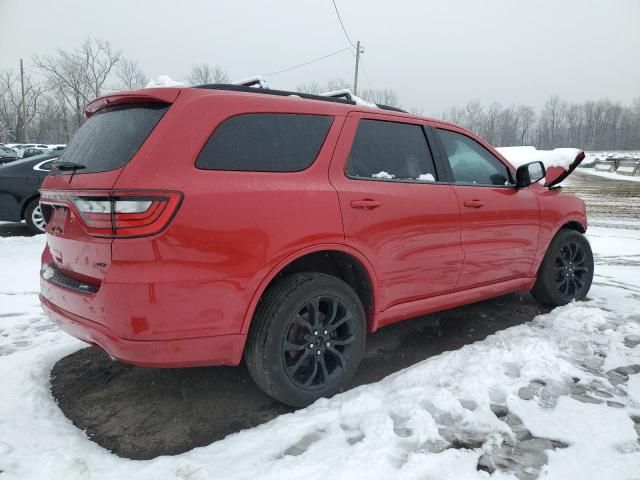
<point x="231" y="230"/>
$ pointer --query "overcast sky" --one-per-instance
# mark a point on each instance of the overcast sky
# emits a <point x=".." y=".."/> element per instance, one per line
<point x="433" y="53"/>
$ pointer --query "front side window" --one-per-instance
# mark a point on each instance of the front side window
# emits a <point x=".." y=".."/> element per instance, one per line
<point x="390" y="151"/>
<point x="470" y="162"/>
<point x="265" y="142"/>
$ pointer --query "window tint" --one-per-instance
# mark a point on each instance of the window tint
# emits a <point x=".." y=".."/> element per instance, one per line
<point x="390" y="150"/>
<point x="471" y="162"/>
<point x="111" y="137"/>
<point x="265" y="142"/>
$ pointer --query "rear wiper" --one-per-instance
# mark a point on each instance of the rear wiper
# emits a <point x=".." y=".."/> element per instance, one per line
<point x="67" y="166"/>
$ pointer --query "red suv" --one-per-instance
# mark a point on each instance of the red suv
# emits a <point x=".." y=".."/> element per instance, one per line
<point x="195" y="226"/>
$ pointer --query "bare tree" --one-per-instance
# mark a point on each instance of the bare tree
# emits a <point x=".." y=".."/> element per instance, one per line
<point x="204" y="73"/>
<point x="313" y="88"/>
<point x="131" y="75"/>
<point x="526" y="120"/>
<point x="337" y="84"/>
<point x="384" y="96"/>
<point x="80" y="73"/>
<point x="11" y="108"/>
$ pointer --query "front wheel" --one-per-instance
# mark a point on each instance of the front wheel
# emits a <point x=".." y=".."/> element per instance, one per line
<point x="34" y="217"/>
<point x="307" y="338"/>
<point x="566" y="272"/>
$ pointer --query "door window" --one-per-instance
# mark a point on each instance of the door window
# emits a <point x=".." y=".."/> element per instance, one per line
<point x="471" y="163"/>
<point x="390" y="151"/>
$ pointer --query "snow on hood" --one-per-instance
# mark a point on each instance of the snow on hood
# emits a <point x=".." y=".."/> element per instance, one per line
<point x="559" y="162"/>
<point x="558" y="157"/>
<point x="164" y="81"/>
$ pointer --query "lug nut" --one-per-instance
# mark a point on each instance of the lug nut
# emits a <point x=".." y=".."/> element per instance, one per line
<point x="328" y="344"/>
<point x="311" y="345"/>
<point x="318" y="352"/>
<point x="325" y="332"/>
<point x="315" y="332"/>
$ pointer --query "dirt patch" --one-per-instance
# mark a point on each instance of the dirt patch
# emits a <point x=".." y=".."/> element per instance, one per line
<point x="141" y="413"/>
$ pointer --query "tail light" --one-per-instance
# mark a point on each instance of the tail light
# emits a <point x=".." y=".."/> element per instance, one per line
<point x="116" y="213"/>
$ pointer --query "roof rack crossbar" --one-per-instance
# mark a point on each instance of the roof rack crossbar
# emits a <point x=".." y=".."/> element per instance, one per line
<point x="285" y="93"/>
<point x="257" y="82"/>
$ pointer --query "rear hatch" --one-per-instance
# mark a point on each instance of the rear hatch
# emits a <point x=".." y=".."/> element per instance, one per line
<point x="82" y="210"/>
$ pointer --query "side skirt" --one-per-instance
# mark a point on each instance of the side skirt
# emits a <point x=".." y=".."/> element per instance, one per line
<point x="424" y="306"/>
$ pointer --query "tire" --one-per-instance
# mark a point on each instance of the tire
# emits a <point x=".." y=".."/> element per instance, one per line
<point x="34" y="218"/>
<point x="566" y="272"/>
<point x="296" y="356"/>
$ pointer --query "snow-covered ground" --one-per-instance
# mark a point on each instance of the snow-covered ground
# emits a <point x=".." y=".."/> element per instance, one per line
<point x="556" y="398"/>
<point x="610" y="175"/>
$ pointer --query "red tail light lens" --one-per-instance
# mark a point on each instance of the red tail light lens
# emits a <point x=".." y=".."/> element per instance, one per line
<point x="119" y="214"/>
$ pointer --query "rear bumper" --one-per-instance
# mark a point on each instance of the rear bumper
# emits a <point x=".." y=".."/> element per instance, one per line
<point x="188" y="352"/>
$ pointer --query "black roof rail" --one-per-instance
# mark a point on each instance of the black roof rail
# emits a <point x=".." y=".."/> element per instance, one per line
<point x="286" y="93"/>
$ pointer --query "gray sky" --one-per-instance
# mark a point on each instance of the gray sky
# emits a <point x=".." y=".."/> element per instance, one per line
<point x="433" y="53"/>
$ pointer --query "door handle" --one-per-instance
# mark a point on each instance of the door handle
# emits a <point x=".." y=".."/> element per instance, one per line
<point x="473" y="203"/>
<point x="365" y="204"/>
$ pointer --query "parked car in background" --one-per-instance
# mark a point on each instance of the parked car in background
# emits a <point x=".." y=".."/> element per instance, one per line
<point x="28" y="146"/>
<point x="7" y="155"/>
<point x="282" y="228"/>
<point x="19" y="184"/>
<point x="30" y="152"/>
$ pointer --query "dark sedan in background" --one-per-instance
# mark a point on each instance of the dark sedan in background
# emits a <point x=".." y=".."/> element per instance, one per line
<point x="19" y="184"/>
<point x="7" y="155"/>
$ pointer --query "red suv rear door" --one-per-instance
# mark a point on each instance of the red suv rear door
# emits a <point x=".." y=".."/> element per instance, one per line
<point x="499" y="223"/>
<point x="393" y="209"/>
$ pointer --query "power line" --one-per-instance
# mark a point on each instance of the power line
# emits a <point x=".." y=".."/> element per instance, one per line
<point x="342" y="24"/>
<point x="306" y="63"/>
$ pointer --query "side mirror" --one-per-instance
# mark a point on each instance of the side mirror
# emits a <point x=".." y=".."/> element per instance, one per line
<point x="529" y="173"/>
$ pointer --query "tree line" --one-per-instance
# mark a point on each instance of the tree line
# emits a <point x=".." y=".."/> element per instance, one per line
<point x="59" y="86"/>
<point x="591" y="125"/>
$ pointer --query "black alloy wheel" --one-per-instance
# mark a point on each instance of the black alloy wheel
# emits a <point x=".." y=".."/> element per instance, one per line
<point x="566" y="271"/>
<point x="316" y="346"/>
<point x="306" y="339"/>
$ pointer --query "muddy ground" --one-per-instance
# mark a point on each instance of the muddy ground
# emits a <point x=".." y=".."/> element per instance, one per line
<point x="141" y="413"/>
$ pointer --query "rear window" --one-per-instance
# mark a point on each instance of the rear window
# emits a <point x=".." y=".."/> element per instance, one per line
<point x="112" y="136"/>
<point x="265" y="142"/>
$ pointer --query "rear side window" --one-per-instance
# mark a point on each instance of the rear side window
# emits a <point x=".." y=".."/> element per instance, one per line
<point x="265" y="142"/>
<point x="390" y="151"/>
<point x="112" y="136"/>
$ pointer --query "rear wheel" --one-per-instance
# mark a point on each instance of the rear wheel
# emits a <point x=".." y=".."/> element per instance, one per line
<point x="34" y="217"/>
<point x="307" y="338"/>
<point x="566" y="272"/>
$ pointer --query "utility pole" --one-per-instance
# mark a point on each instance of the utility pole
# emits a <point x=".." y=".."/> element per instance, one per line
<point x="24" y="106"/>
<point x="359" y="50"/>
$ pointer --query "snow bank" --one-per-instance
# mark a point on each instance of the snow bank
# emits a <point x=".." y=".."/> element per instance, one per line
<point x="550" y="378"/>
<point x="558" y="157"/>
<point x="165" y="81"/>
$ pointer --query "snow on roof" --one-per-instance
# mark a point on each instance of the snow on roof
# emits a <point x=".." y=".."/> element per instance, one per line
<point x="345" y="92"/>
<point x="558" y="157"/>
<point x="164" y="81"/>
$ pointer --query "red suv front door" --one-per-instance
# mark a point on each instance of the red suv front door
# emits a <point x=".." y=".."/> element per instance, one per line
<point x="499" y="223"/>
<point x="393" y="209"/>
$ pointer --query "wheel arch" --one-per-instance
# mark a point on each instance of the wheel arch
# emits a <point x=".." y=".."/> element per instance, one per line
<point x="337" y="260"/>
<point x="25" y="204"/>
<point x="572" y="225"/>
